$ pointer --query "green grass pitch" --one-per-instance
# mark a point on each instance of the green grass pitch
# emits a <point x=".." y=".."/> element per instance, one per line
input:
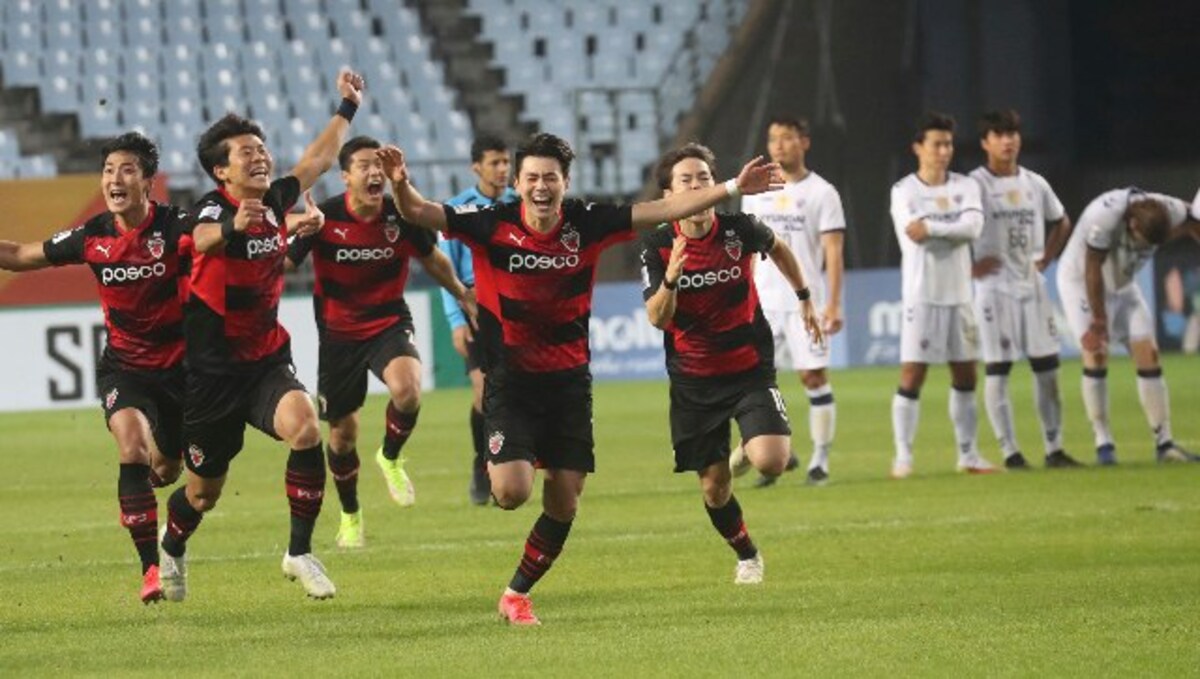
<point x="1093" y="572"/>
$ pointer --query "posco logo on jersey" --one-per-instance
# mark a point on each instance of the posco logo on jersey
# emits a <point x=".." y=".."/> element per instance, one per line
<point x="261" y="247"/>
<point x="363" y="254"/>
<point x="532" y="262"/>
<point x="132" y="273"/>
<point x="704" y="279"/>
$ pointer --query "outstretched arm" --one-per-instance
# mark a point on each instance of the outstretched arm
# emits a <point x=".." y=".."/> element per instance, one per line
<point x="321" y="153"/>
<point x="440" y="269"/>
<point x="412" y="205"/>
<point x="756" y="176"/>
<point x="22" y="256"/>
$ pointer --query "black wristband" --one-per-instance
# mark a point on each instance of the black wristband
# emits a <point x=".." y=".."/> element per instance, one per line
<point x="347" y="109"/>
<point x="669" y="285"/>
<point x="227" y="229"/>
<point x="803" y="294"/>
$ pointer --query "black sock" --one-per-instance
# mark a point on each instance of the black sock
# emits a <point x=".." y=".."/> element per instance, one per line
<point x="543" y="546"/>
<point x="398" y="427"/>
<point x="305" y="481"/>
<point x="182" y="521"/>
<point x="139" y="511"/>
<point x="478" y="438"/>
<point x="728" y="522"/>
<point x="344" y="469"/>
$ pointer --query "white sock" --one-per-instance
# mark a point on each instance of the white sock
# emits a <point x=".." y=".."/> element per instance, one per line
<point x="966" y="421"/>
<point x="1152" y="392"/>
<point x="822" y="420"/>
<point x="905" y="414"/>
<point x="1049" y="407"/>
<point x="1095" y="402"/>
<point x="1000" y="412"/>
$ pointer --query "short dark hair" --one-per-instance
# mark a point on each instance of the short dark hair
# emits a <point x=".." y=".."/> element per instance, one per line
<point x="664" y="170"/>
<point x="354" y="146"/>
<point x="1000" y="122"/>
<point x="546" y="145"/>
<point x="1153" y="217"/>
<point x="137" y="144"/>
<point x="484" y="143"/>
<point x="213" y="147"/>
<point x="800" y="125"/>
<point x="933" y="120"/>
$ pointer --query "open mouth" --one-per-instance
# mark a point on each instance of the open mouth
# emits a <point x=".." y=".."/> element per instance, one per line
<point x="541" y="202"/>
<point x="261" y="172"/>
<point x="118" y="195"/>
<point x="375" y="189"/>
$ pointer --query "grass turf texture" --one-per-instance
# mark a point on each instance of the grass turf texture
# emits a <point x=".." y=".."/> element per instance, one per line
<point x="1065" y="573"/>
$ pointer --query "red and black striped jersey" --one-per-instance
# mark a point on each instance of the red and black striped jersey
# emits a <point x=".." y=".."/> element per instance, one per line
<point x="535" y="290"/>
<point x="718" y="328"/>
<point x="232" y="313"/>
<point x="138" y="274"/>
<point x="361" y="268"/>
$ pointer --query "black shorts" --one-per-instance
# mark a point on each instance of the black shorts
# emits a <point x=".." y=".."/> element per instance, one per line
<point x="474" y="359"/>
<point x="545" y="420"/>
<point x="342" y="368"/>
<point x="158" y="394"/>
<point x="700" y="415"/>
<point x="220" y="406"/>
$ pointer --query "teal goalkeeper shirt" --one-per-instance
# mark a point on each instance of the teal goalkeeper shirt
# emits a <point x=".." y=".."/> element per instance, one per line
<point x="460" y="254"/>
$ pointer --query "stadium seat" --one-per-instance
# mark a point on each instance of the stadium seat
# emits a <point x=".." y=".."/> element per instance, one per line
<point x="21" y="67"/>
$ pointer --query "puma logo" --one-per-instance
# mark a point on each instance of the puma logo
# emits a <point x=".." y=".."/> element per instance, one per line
<point x="104" y="248"/>
<point x="342" y="232"/>
<point x="519" y="240"/>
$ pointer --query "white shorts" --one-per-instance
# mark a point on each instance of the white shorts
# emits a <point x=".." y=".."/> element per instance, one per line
<point x="1012" y="328"/>
<point x="938" y="334"/>
<point x="1129" y="317"/>
<point x="794" y="349"/>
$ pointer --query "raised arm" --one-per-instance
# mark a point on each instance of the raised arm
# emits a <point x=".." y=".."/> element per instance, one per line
<point x="412" y="205"/>
<point x="660" y="307"/>
<point x="322" y="152"/>
<point x="22" y="256"/>
<point x="756" y="176"/>
<point x="211" y="236"/>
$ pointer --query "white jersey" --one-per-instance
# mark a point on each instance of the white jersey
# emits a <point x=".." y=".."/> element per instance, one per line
<point x="938" y="270"/>
<point x="1015" y="210"/>
<point x="1102" y="226"/>
<point x="799" y="213"/>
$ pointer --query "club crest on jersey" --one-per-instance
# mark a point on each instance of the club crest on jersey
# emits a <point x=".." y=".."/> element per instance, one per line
<point x="196" y="455"/>
<point x="733" y="246"/>
<point x="496" y="442"/>
<point x="1014" y="196"/>
<point x="570" y="239"/>
<point x="391" y="232"/>
<point x="156" y="246"/>
<point x="943" y="203"/>
<point x="110" y="399"/>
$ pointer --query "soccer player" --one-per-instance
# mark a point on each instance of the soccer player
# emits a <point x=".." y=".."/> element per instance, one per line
<point x="490" y="163"/>
<point x="808" y="215"/>
<point x="937" y="215"/>
<point x="361" y="260"/>
<point x="239" y="357"/>
<point x="1015" y="315"/>
<point x="132" y="249"/>
<point x="534" y="274"/>
<point x="720" y="357"/>
<point x="1116" y="235"/>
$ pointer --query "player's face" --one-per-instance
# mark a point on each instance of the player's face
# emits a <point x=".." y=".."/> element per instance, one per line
<point x="786" y="145"/>
<point x="364" y="178"/>
<point x="250" y="164"/>
<point x="124" y="186"/>
<point x="691" y="174"/>
<point x="1002" y="146"/>
<point x="541" y="185"/>
<point x="936" y="150"/>
<point x="493" y="169"/>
